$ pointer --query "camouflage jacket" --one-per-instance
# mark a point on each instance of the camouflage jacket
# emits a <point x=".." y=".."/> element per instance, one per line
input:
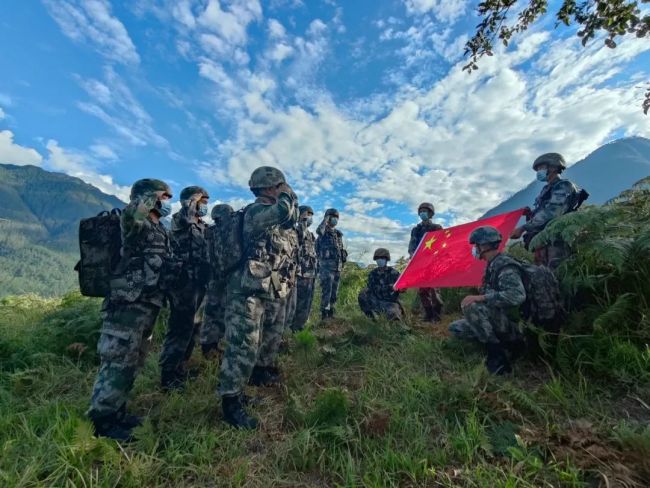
<point x="554" y="200"/>
<point x="329" y="247"/>
<point x="145" y="251"/>
<point x="189" y="242"/>
<point x="381" y="281"/>
<point x="308" y="265"/>
<point x="419" y="231"/>
<point x="266" y="249"/>
<point x="502" y="284"/>
<point x="291" y="247"/>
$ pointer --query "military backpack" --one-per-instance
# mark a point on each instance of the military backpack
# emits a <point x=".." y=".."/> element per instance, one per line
<point x="100" y="241"/>
<point x="226" y="246"/>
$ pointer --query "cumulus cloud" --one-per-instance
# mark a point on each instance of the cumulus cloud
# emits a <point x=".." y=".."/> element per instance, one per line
<point x="80" y="165"/>
<point x="102" y="151"/>
<point x="443" y="10"/>
<point x="12" y="153"/>
<point x="230" y="23"/>
<point x="93" y="23"/>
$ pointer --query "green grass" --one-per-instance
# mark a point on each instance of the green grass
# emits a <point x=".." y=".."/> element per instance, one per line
<point x="362" y="404"/>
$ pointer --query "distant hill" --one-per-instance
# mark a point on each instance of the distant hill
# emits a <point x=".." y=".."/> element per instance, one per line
<point x="605" y="173"/>
<point x="39" y="218"/>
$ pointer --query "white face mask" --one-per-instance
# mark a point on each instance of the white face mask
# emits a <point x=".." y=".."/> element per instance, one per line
<point x="476" y="253"/>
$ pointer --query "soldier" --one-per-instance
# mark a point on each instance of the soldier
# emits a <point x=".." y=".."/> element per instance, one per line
<point x="429" y="297"/>
<point x="130" y="310"/>
<point x="491" y="318"/>
<point x="379" y="297"/>
<point x="303" y="294"/>
<point x="252" y="286"/>
<point x="331" y="257"/>
<point x="214" y="328"/>
<point x="189" y="246"/>
<point x="556" y="198"/>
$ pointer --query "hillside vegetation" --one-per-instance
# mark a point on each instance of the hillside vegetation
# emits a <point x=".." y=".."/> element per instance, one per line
<point x="363" y="403"/>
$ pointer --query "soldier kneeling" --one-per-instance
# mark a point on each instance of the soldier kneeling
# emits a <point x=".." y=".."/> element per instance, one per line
<point x="379" y="297"/>
<point x="492" y="317"/>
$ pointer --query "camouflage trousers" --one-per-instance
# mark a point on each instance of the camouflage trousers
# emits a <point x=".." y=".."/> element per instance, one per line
<point x="254" y="328"/>
<point x="552" y="255"/>
<point x="123" y="345"/>
<point x="214" y="325"/>
<point x="373" y="306"/>
<point x="299" y="303"/>
<point x="182" y="326"/>
<point x="329" y="286"/>
<point x="484" y="324"/>
<point x="431" y="301"/>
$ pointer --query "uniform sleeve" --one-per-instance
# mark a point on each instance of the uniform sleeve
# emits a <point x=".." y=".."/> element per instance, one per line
<point x="185" y="216"/>
<point x="320" y="230"/>
<point x="510" y="289"/>
<point x="413" y="243"/>
<point x="134" y="216"/>
<point x="266" y="216"/>
<point x="557" y="205"/>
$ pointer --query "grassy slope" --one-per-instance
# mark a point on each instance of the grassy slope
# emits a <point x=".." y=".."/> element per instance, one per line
<point x="363" y="404"/>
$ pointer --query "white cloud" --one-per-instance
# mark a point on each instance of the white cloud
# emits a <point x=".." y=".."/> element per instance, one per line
<point x="78" y="164"/>
<point x="113" y="102"/>
<point x="92" y="22"/>
<point x="2" y="114"/>
<point x="276" y="29"/>
<point x="102" y="151"/>
<point x="443" y="10"/>
<point x="230" y="23"/>
<point x="12" y="153"/>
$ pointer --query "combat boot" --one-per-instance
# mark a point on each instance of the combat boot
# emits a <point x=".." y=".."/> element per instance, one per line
<point x="210" y="350"/>
<point x="332" y="312"/>
<point x="109" y="426"/>
<point x="172" y="381"/>
<point x="497" y="360"/>
<point x="126" y="420"/>
<point x="324" y="314"/>
<point x="234" y="413"/>
<point x="264" y="376"/>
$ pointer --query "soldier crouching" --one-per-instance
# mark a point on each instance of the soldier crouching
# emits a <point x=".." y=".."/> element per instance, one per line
<point x="130" y="311"/>
<point x="379" y="297"/>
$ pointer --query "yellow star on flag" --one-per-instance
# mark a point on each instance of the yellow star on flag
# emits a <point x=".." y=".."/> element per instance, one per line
<point x="429" y="243"/>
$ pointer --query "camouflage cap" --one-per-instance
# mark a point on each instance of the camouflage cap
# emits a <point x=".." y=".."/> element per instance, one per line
<point x="305" y="209"/>
<point x="485" y="235"/>
<point x="220" y="211"/>
<point x="188" y="192"/>
<point x="381" y="253"/>
<point x="149" y="185"/>
<point x="266" y="177"/>
<point x="550" y="159"/>
<point x="332" y="211"/>
<point x="427" y="206"/>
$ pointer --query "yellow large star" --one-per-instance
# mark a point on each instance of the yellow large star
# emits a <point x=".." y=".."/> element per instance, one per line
<point x="429" y="243"/>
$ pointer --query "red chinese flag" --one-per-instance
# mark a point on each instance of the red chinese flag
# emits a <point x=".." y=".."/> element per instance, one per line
<point x="444" y="257"/>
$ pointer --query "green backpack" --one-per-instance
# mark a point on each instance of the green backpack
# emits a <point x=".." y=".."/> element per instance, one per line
<point x="225" y="245"/>
<point x="100" y="241"/>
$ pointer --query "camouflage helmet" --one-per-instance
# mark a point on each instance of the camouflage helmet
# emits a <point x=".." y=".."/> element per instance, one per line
<point x="427" y="206"/>
<point x="381" y="253"/>
<point x="149" y="185"/>
<point x="333" y="212"/>
<point x="220" y="211"/>
<point x="305" y="209"/>
<point x="550" y="159"/>
<point x="266" y="177"/>
<point x="485" y="235"/>
<point x="190" y="191"/>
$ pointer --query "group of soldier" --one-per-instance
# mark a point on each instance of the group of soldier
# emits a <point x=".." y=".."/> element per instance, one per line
<point x="271" y="288"/>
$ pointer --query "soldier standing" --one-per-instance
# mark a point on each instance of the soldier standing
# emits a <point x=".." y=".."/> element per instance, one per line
<point x="252" y="285"/>
<point x="214" y="328"/>
<point x="491" y="318"/>
<point x="303" y="294"/>
<point x="429" y="297"/>
<point x="331" y="257"/>
<point x="556" y="198"/>
<point x="130" y="310"/>
<point x="189" y="246"/>
<point x="379" y="297"/>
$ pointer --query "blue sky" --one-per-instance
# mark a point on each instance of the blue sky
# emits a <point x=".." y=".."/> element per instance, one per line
<point x="362" y="103"/>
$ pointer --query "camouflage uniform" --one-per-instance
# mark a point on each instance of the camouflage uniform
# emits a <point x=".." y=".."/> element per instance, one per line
<point x="379" y="297"/>
<point x="130" y="311"/>
<point x="429" y="297"/>
<point x="495" y="320"/>
<point x="331" y="258"/>
<point x="303" y="293"/>
<point x="189" y="246"/>
<point x="554" y="200"/>
<point x="253" y="290"/>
